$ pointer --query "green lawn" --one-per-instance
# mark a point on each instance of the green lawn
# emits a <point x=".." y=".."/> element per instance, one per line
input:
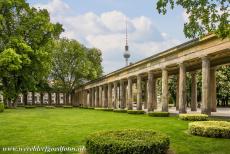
<point x="68" y="127"/>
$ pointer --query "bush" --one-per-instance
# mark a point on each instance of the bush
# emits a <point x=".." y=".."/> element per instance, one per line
<point x="30" y="107"/>
<point x="85" y="107"/>
<point x="2" y="107"/>
<point x="219" y="129"/>
<point x="135" y="112"/>
<point x="104" y="109"/>
<point x="67" y="106"/>
<point x="158" y="114"/>
<point x="120" y="110"/>
<point x="127" y="141"/>
<point x="50" y="107"/>
<point x="193" y="117"/>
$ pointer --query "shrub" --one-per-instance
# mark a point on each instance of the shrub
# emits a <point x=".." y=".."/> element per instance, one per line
<point x="135" y="112"/>
<point x="104" y="109"/>
<point x="127" y="141"/>
<point x="30" y="107"/>
<point x="68" y="106"/>
<point x="193" y="117"/>
<point x="219" y="129"/>
<point x="85" y="107"/>
<point x="50" y="107"/>
<point x="158" y="114"/>
<point x="2" y="107"/>
<point x="120" y="110"/>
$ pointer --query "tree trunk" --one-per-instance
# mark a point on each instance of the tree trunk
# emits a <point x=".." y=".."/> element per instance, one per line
<point x="49" y="98"/>
<point x="41" y="97"/>
<point x="67" y="98"/>
<point x="25" y="101"/>
<point x="33" y="98"/>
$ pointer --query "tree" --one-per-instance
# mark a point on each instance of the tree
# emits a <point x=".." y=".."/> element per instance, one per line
<point x="73" y="65"/>
<point x="204" y="16"/>
<point x="26" y="36"/>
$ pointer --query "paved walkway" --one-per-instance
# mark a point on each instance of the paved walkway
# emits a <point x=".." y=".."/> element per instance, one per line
<point x="222" y="112"/>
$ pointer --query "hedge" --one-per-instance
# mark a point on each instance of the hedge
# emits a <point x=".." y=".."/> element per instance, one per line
<point x="120" y="110"/>
<point x="135" y="112"/>
<point x="68" y="106"/>
<point x="104" y="109"/>
<point x="2" y="107"/>
<point x="50" y="107"/>
<point x="85" y="107"/>
<point x="127" y="142"/>
<point x="158" y="114"/>
<point x="193" y="117"/>
<point x="218" y="129"/>
<point x="30" y="107"/>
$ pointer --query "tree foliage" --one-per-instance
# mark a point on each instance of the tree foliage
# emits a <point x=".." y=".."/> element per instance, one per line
<point x="74" y="64"/>
<point x="204" y="16"/>
<point x="26" y="36"/>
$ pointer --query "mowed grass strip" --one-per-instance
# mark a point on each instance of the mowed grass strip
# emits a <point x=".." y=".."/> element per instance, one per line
<point x="60" y="127"/>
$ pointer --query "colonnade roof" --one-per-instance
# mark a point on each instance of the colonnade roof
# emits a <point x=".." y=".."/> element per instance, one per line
<point x="181" y="47"/>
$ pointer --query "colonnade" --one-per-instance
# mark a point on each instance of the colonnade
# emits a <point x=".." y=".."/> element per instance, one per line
<point x="113" y="94"/>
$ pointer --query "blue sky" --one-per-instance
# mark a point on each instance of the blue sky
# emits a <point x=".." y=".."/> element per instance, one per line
<point x="101" y="24"/>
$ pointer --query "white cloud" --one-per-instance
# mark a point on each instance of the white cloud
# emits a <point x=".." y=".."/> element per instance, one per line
<point x="106" y="31"/>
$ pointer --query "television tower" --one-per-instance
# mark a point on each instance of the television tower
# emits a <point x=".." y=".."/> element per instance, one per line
<point x="126" y="53"/>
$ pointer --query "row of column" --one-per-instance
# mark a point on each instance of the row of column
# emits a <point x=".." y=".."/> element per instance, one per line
<point x="101" y="96"/>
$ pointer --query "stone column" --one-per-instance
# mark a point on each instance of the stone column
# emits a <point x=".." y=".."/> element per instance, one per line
<point x="96" y="97"/>
<point x="105" y="98"/>
<point x="93" y="97"/>
<point x="130" y="96"/>
<point x="115" y="94"/>
<point x="164" y="98"/>
<point x="182" y="89"/>
<point x="206" y="105"/>
<point x="154" y="93"/>
<point x="139" y="93"/>
<point x="177" y="93"/>
<point x="213" y="89"/>
<point x="194" y="92"/>
<point x="122" y="94"/>
<point x="88" y="98"/>
<point x="110" y="95"/>
<point x="150" y="90"/>
<point x="100" y="96"/>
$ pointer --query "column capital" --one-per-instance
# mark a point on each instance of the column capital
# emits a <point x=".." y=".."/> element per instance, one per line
<point x="205" y="57"/>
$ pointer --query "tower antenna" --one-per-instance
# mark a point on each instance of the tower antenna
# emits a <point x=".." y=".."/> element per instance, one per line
<point x="126" y="53"/>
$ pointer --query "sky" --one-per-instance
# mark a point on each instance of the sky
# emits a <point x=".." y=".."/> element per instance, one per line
<point x="101" y="24"/>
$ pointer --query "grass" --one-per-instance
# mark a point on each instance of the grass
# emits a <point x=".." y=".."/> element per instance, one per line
<point x="61" y="127"/>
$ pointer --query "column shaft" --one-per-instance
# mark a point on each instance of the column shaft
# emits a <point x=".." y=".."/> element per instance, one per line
<point x="130" y="96"/>
<point x="122" y="94"/>
<point x="194" y="92"/>
<point x="109" y="95"/>
<point x="139" y="93"/>
<point x="164" y="99"/>
<point x="177" y="93"/>
<point x="182" y="89"/>
<point x="100" y="96"/>
<point x="213" y="89"/>
<point x="150" y="90"/>
<point x="96" y="97"/>
<point x="206" y="105"/>
<point x="105" y="96"/>
<point x="115" y="94"/>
